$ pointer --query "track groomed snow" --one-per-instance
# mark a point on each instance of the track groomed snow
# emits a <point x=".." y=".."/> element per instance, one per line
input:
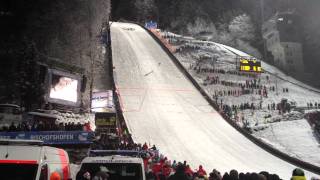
<point x="162" y="107"/>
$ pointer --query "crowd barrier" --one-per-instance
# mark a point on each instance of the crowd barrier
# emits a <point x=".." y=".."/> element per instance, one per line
<point x="52" y="137"/>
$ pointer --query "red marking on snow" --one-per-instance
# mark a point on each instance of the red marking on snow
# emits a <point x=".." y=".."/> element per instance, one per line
<point x="155" y="89"/>
<point x="120" y="100"/>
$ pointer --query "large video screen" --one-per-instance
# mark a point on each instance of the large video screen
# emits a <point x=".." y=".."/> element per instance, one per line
<point x="64" y="88"/>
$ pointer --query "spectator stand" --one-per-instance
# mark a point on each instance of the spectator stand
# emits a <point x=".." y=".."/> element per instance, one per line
<point x="50" y="128"/>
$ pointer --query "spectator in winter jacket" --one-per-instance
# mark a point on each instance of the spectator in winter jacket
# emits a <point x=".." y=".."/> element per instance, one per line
<point x="86" y="127"/>
<point x="262" y="177"/>
<point x="265" y="173"/>
<point x="254" y="176"/>
<point x="145" y="146"/>
<point x="12" y="127"/>
<point x="215" y="175"/>
<point x="154" y="147"/>
<point x="234" y="174"/>
<point x="151" y="176"/>
<point x="179" y="175"/>
<point x="226" y="176"/>
<point x="166" y="170"/>
<point x="156" y="169"/>
<point x="103" y="174"/>
<point x="201" y="172"/>
<point x="146" y="160"/>
<point x="242" y="176"/>
<point x="274" y="177"/>
<point x="174" y="164"/>
<point x="188" y="171"/>
<point x="298" y="174"/>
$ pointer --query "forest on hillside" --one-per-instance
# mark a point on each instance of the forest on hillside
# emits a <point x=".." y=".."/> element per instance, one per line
<point x="233" y="22"/>
<point x="41" y="30"/>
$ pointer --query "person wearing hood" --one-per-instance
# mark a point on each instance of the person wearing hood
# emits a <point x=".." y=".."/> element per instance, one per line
<point x="145" y="147"/>
<point x="103" y="174"/>
<point x="234" y="174"/>
<point x="174" y="164"/>
<point x="215" y="175"/>
<point x="188" y="171"/>
<point x="166" y="169"/>
<point x="179" y="175"/>
<point x="298" y="174"/>
<point x="201" y="172"/>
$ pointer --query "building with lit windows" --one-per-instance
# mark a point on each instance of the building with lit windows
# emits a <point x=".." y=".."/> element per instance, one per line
<point x="282" y="37"/>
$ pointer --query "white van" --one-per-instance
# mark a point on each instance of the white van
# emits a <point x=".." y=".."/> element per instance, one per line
<point x="118" y="167"/>
<point x="29" y="160"/>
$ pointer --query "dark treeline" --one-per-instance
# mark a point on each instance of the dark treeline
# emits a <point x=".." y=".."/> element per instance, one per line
<point x="38" y="30"/>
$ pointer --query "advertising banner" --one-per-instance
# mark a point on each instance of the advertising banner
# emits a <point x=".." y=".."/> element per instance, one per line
<point x="52" y="137"/>
<point x="151" y="25"/>
<point x="250" y="65"/>
<point x="102" y="101"/>
<point x="107" y="120"/>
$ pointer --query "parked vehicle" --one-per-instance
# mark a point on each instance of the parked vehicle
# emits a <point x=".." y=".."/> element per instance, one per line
<point x="118" y="165"/>
<point x="29" y="160"/>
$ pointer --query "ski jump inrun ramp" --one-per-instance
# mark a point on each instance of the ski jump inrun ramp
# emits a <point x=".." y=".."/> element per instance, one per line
<point x="162" y="107"/>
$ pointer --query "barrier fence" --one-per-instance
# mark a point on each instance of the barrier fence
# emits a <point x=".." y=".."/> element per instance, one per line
<point x="52" y="137"/>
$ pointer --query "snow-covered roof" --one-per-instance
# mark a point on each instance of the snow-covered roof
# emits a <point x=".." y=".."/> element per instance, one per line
<point x="43" y="114"/>
<point x="9" y="105"/>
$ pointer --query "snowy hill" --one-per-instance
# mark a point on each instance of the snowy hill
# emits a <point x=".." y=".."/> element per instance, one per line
<point x="162" y="106"/>
<point x="213" y="65"/>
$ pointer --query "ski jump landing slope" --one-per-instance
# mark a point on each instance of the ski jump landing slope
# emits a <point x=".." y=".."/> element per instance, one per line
<point x="162" y="107"/>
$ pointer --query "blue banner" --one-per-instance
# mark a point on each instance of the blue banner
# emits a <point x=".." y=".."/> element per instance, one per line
<point x="151" y="25"/>
<point x="52" y="137"/>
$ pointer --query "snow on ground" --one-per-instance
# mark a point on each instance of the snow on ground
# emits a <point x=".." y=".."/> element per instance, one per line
<point x="161" y="106"/>
<point x="271" y="69"/>
<point x="293" y="137"/>
<point x="288" y="132"/>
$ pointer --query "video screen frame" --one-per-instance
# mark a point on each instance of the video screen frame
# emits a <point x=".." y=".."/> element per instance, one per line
<point x="54" y="72"/>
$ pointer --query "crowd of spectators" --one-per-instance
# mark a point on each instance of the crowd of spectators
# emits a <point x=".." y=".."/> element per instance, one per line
<point x="200" y="69"/>
<point x="40" y="126"/>
<point x="313" y="105"/>
<point x="159" y="167"/>
<point x="251" y="84"/>
<point x="241" y="84"/>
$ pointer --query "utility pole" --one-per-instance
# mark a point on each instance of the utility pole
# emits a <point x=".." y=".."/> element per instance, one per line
<point x="262" y="21"/>
<point x="277" y="84"/>
<point x="262" y="10"/>
<point x="89" y="10"/>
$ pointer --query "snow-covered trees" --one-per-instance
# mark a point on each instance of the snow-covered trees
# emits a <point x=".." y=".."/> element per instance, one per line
<point x="201" y="25"/>
<point x="146" y="9"/>
<point x="241" y="27"/>
<point x="64" y="31"/>
<point x="243" y="32"/>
